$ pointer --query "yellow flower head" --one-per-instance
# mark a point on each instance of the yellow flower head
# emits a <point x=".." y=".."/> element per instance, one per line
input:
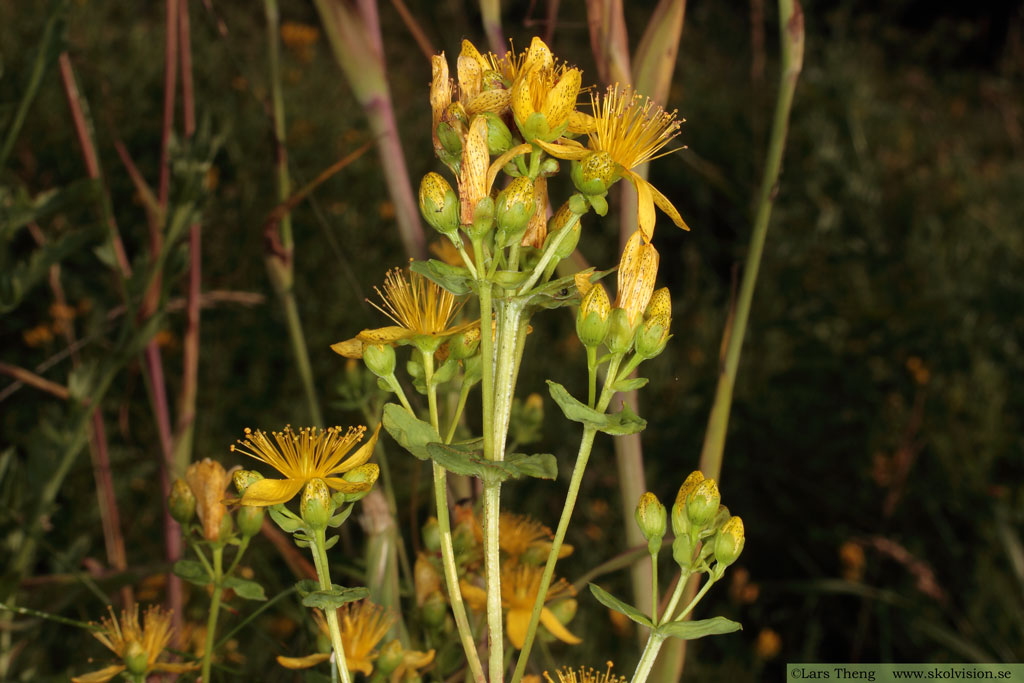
<point x="638" y="269"/>
<point x="629" y="130"/>
<point x="585" y="675"/>
<point x="302" y="457"/>
<point x="545" y="87"/>
<point x="420" y="309"/>
<point x="519" y="535"/>
<point x="363" y="625"/>
<point x="519" y="587"/>
<point x="139" y="647"/>
<point x="208" y="479"/>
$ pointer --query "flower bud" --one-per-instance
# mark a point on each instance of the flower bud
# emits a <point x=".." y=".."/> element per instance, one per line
<point x="578" y="204"/>
<point x="451" y="140"/>
<point x="389" y="659"/>
<point x="315" y="505"/>
<point x="426" y="580"/>
<point x="680" y="522"/>
<point x="514" y="208"/>
<point x="548" y="167"/>
<point x="224" y="529"/>
<point x="652" y="519"/>
<point x="620" y="332"/>
<point x="483" y="219"/>
<point x="439" y="205"/>
<point x="380" y="359"/>
<point x="565" y="610"/>
<point x="703" y="503"/>
<point x="682" y="550"/>
<point x="364" y="474"/>
<point x="594" y="173"/>
<point x="729" y="542"/>
<point x="653" y="334"/>
<point x="499" y="137"/>
<point x="431" y="535"/>
<point x="181" y="502"/>
<point x="465" y="344"/>
<point x="563" y="220"/>
<point x="243" y="478"/>
<point x="250" y="520"/>
<point x="434" y="610"/>
<point x="593" y="317"/>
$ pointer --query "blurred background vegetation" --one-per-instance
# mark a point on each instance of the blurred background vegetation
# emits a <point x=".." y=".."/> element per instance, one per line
<point x="876" y="448"/>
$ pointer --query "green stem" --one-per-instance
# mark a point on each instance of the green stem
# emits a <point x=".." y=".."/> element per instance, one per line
<point x="684" y="578"/>
<point x="463" y="395"/>
<point x="582" y="457"/>
<point x="654" y="587"/>
<point x="397" y="388"/>
<point x="549" y="253"/>
<point x="324" y="575"/>
<point x="492" y="573"/>
<point x="643" y="668"/>
<point x="242" y="546"/>
<point x="591" y="375"/>
<point x="466" y="260"/>
<point x="792" y="34"/>
<point x="693" y="603"/>
<point x="211" y="619"/>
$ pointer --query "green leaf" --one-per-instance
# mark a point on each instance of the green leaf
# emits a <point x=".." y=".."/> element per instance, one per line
<point x="411" y="433"/>
<point x="306" y="586"/>
<point x="540" y="466"/>
<point x="288" y="524"/>
<point x="510" y="279"/>
<point x="248" y="590"/>
<point x="466" y="461"/>
<point x="455" y="279"/>
<point x="616" y="424"/>
<point x="19" y="209"/>
<point x="18" y="279"/>
<point x="691" y="630"/>
<point x="192" y="571"/>
<point x="629" y="384"/>
<point x="339" y="518"/>
<point x="330" y="542"/>
<point x="613" y="603"/>
<point x="334" y="598"/>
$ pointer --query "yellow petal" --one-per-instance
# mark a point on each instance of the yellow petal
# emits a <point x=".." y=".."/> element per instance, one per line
<point x="499" y="163"/>
<point x="440" y="87"/>
<point x="342" y="486"/>
<point x="385" y="335"/>
<point x="475" y="162"/>
<point x="361" y="664"/>
<point x="580" y="123"/>
<point x="583" y="283"/>
<point x="470" y="73"/>
<point x="271" y="491"/>
<point x="521" y="99"/>
<point x="489" y="100"/>
<point x="414" y="659"/>
<point x="474" y="596"/>
<point x="516" y="623"/>
<point x="302" y="662"/>
<point x="665" y="205"/>
<point x="552" y="624"/>
<point x="644" y="205"/>
<point x="350" y="348"/>
<point x="360" y="456"/>
<point x="563" y="151"/>
<point x="538" y="56"/>
<point x="560" y="101"/>
<point x="176" y="667"/>
<point x="101" y="676"/>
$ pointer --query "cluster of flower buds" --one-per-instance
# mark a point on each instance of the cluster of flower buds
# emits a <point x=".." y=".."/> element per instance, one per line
<point x="201" y="494"/>
<point x="703" y="527"/>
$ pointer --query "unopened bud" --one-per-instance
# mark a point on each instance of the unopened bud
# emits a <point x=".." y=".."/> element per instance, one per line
<point x="729" y="542"/>
<point x="181" y="502"/>
<point x="620" y="332"/>
<point x="450" y="137"/>
<point x="549" y="167"/>
<point x="250" y="520"/>
<point x="513" y="210"/>
<point x="439" y="205"/>
<point x="434" y="610"/>
<point x="680" y="522"/>
<point x="594" y="317"/>
<point x="244" y="478"/>
<point x="499" y="137"/>
<point x="594" y="173"/>
<point x="380" y="359"/>
<point x="465" y="344"/>
<point x="315" y="505"/>
<point x="703" y="503"/>
<point x="564" y="610"/>
<point x="389" y="659"/>
<point x="564" y="219"/>
<point x="653" y="334"/>
<point x="682" y="550"/>
<point x="652" y="519"/>
<point x="364" y="474"/>
<point x="483" y="219"/>
<point x="431" y="535"/>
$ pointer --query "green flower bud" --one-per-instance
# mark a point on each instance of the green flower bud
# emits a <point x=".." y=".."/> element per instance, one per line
<point x="594" y="173"/>
<point x="578" y="204"/>
<point x="564" y="610"/>
<point x="499" y="137"/>
<point x="250" y="520"/>
<point x="451" y="139"/>
<point x="483" y="219"/>
<point x="680" y="522"/>
<point x="593" y="318"/>
<point x="536" y="127"/>
<point x="389" y="659"/>
<point x="620" y="332"/>
<point x="652" y="519"/>
<point x="682" y="550"/>
<point x="721" y="518"/>
<point x="465" y="344"/>
<point x="135" y="657"/>
<point x="729" y="542"/>
<point x="316" y="506"/>
<point x="243" y="478"/>
<point x="380" y="359"/>
<point x="549" y="167"/>
<point x="226" y="528"/>
<point x="431" y="535"/>
<point x="439" y="205"/>
<point x="513" y="210"/>
<point x="653" y="334"/>
<point x="703" y="503"/>
<point x="364" y="474"/>
<point x="559" y="222"/>
<point x="434" y="610"/>
<point x="181" y="502"/>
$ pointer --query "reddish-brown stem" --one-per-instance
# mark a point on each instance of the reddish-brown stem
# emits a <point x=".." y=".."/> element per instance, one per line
<point x="33" y="380"/>
<point x="415" y="29"/>
<point x="170" y="81"/>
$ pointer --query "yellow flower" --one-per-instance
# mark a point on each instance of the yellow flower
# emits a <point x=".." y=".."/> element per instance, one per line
<point x="629" y="130"/>
<point x="419" y="308"/>
<point x="519" y="535"/>
<point x="138" y="647"/>
<point x="208" y="479"/>
<point x="303" y="457"/>
<point x="544" y="87"/>
<point x="519" y="587"/>
<point x="638" y="269"/>
<point x="585" y="675"/>
<point x="363" y="625"/>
